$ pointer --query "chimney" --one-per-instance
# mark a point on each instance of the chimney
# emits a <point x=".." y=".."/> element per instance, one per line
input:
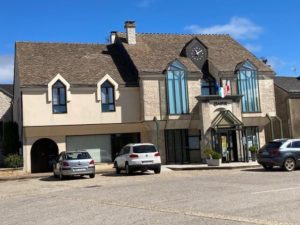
<point x="130" y="32"/>
<point x="113" y="35"/>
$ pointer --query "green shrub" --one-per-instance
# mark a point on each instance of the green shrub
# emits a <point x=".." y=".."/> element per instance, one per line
<point x="253" y="149"/>
<point x="13" y="161"/>
<point x="211" y="154"/>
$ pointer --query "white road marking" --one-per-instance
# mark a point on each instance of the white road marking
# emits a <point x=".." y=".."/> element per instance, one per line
<point x="275" y="190"/>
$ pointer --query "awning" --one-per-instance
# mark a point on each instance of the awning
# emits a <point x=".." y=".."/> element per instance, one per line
<point x="226" y="119"/>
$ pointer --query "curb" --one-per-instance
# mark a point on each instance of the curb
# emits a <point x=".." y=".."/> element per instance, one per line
<point x="213" y="168"/>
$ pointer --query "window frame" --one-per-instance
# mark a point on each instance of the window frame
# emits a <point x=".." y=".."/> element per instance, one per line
<point x="107" y="96"/>
<point x="176" y="66"/>
<point x="249" y="88"/>
<point x="59" y="97"/>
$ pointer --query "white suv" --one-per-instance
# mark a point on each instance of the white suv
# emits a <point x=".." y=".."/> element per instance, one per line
<point x="134" y="157"/>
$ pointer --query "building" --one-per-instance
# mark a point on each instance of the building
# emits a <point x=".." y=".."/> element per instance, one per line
<point x="183" y="93"/>
<point x="6" y="95"/>
<point x="287" y="95"/>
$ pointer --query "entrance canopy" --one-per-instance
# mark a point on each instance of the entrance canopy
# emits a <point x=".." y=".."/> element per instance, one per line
<point x="226" y="119"/>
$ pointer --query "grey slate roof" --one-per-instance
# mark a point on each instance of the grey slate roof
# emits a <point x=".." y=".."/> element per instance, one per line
<point x="289" y="84"/>
<point x="8" y="89"/>
<point x="154" y="51"/>
<point x="79" y="64"/>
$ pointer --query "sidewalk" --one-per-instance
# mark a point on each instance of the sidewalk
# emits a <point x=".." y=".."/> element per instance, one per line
<point x="223" y="166"/>
<point x="17" y="174"/>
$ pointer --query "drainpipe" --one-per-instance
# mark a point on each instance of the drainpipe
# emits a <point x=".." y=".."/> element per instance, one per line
<point x="280" y="123"/>
<point x="272" y="128"/>
<point x="157" y="132"/>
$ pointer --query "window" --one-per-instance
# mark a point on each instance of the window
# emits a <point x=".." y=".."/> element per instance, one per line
<point x="107" y="97"/>
<point x="208" y="86"/>
<point x="251" y="136"/>
<point x="248" y="87"/>
<point x="59" y="97"/>
<point x="296" y="144"/>
<point x="177" y="89"/>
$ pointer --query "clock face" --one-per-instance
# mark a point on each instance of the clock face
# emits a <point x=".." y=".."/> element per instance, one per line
<point x="197" y="53"/>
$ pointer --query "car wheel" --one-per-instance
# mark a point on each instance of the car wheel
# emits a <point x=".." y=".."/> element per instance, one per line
<point x="118" y="171"/>
<point x="289" y="164"/>
<point x="157" y="170"/>
<point x="92" y="175"/>
<point x="127" y="169"/>
<point x="268" y="167"/>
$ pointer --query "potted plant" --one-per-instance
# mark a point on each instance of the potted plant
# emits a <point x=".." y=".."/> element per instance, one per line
<point x="213" y="158"/>
<point x="253" y="151"/>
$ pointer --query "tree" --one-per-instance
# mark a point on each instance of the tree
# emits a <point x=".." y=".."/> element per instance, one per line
<point x="11" y="142"/>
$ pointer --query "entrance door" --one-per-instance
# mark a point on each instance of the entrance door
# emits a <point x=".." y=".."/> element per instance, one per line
<point x="177" y="146"/>
<point x="118" y="141"/>
<point x="227" y="145"/>
<point x="43" y="153"/>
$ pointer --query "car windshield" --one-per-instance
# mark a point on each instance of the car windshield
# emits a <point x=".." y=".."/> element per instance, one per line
<point x="77" y="155"/>
<point x="274" y="144"/>
<point x="144" y="149"/>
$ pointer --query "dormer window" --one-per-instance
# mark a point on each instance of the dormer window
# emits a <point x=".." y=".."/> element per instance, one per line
<point x="107" y="97"/>
<point x="59" y="104"/>
<point x="248" y="87"/>
<point x="177" y="89"/>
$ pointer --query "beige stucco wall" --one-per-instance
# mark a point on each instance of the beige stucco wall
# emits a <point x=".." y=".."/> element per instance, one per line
<point x="294" y="105"/>
<point x="267" y="97"/>
<point x="150" y="99"/>
<point x="83" y="108"/>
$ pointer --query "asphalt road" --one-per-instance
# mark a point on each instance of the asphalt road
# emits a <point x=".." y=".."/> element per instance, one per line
<point x="251" y="196"/>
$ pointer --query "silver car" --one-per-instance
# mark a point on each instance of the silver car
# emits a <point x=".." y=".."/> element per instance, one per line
<point x="74" y="163"/>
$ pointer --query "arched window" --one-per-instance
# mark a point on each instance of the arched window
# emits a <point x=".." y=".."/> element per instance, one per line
<point x="248" y="87"/>
<point x="107" y="97"/>
<point x="59" y="104"/>
<point x="177" y="89"/>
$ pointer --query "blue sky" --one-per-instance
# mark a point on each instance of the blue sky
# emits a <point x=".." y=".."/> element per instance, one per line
<point x="269" y="29"/>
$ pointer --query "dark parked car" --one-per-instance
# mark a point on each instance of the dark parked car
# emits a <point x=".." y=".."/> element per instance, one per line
<point x="74" y="163"/>
<point x="284" y="153"/>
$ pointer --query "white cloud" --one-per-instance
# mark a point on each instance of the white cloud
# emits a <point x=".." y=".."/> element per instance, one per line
<point x="253" y="47"/>
<point x="238" y="28"/>
<point x="276" y="63"/>
<point x="144" y="3"/>
<point x="6" y="68"/>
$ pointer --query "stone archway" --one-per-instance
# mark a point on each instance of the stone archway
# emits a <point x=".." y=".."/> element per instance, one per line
<point x="43" y="152"/>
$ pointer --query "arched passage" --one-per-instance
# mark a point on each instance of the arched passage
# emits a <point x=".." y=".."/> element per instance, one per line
<point x="43" y="152"/>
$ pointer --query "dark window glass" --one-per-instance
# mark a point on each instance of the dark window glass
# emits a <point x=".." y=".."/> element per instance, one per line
<point x="107" y="97"/>
<point x="177" y="89"/>
<point x="208" y="87"/>
<point x="296" y="144"/>
<point x="144" y="149"/>
<point x="59" y="98"/>
<point x="77" y="155"/>
<point x="248" y="87"/>
<point x="275" y="144"/>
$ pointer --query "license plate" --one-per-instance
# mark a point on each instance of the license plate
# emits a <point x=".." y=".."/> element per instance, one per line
<point x="146" y="162"/>
<point x="79" y="170"/>
<point x="265" y="153"/>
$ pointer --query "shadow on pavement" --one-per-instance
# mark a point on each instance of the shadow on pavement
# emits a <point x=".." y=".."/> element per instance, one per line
<point x="53" y="179"/>
<point x="262" y="170"/>
<point x="113" y="174"/>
